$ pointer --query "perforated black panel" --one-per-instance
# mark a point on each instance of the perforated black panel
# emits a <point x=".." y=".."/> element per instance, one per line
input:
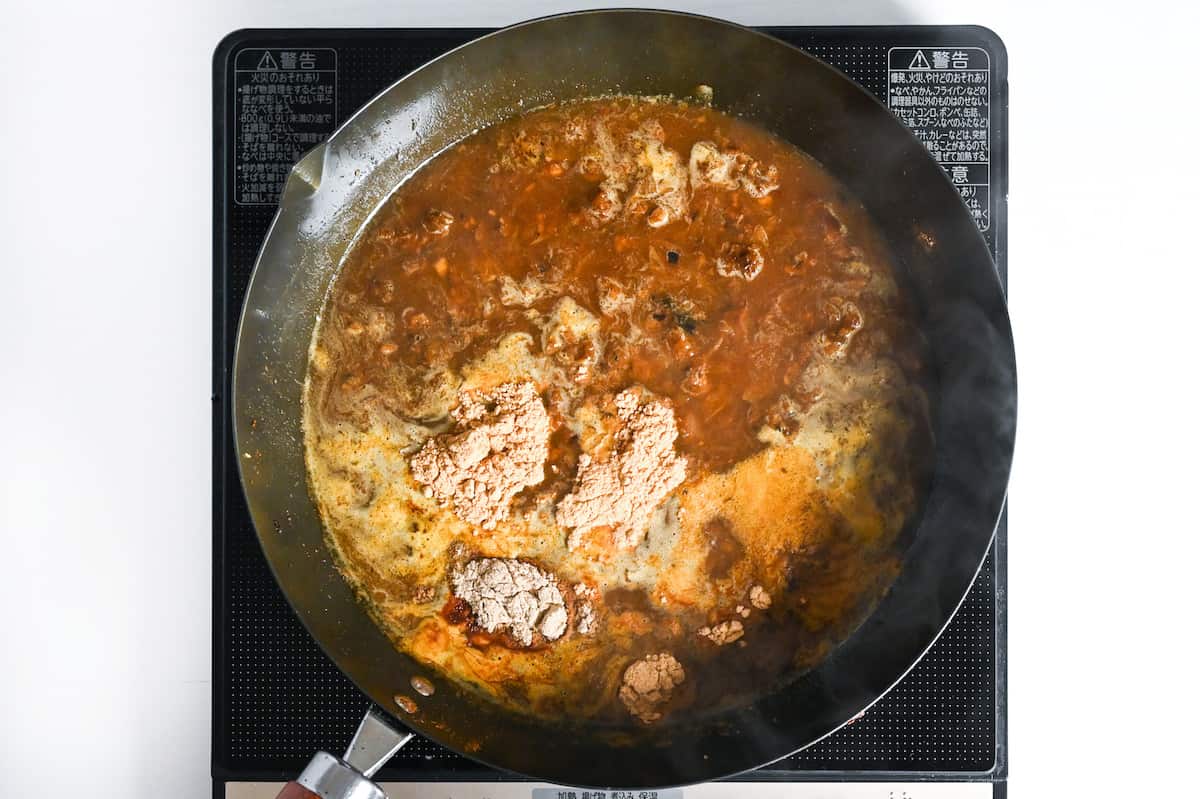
<point x="277" y="698"/>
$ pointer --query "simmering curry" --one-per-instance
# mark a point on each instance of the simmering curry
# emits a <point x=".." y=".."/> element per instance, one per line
<point x="615" y="411"/>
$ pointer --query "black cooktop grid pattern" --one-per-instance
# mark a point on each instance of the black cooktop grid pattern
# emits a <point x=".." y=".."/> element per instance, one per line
<point x="277" y="698"/>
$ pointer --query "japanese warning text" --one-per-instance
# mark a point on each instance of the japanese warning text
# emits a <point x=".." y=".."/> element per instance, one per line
<point x="286" y="104"/>
<point x="943" y="94"/>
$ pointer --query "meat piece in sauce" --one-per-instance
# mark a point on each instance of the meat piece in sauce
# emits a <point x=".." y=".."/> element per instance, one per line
<point x="844" y="321"/>
<point x="662" y="187"/>
<point x="571" y="338"/>
<point x="784" y="416"/>
<point x="639" y="175"/>
<point x="606" y="204"/>
<point x="743" y="261"/>
<point x="730" y="169"/>
<point x="612" y="297"/>
<point x="696" y="383"/>
<point x="522" y="150"/>
<point x="437" y="222"/>
<point x="679" y="311"/>
<point x="799" y="264"/>
<point x="523" y="294"/>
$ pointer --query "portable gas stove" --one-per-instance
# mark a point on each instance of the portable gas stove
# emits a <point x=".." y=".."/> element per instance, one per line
<point x="940" y="732"/>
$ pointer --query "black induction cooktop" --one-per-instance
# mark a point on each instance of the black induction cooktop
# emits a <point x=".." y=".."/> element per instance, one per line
<point x="276" y="697"/>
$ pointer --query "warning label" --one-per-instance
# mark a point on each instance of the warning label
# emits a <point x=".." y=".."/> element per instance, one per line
<point x="943" y="94"/>
<point x="286" y="104"/>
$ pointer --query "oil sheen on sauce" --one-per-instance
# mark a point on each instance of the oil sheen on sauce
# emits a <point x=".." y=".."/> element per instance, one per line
<point x="589" y="248"/>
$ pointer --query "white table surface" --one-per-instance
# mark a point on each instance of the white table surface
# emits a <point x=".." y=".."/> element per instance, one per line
<point x="105" y="256"/>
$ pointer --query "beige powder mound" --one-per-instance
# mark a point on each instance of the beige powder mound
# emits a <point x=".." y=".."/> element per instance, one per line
<point x="648" y="683"/>
<point x="759" y="597"/>
<point x="724" y="633"/>
<point x="499" y="449"/>
<point x="587" y="618"/>
<point x="511" y="595"/>
<point x="623" y="491"/>
<point x="585" y="611"/>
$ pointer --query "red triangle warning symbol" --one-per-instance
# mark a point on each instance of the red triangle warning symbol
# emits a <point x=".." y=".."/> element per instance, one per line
<point x="919" y="61"/>
<point x="267" y="63"/>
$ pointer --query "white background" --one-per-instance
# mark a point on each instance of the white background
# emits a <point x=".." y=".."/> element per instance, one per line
<point x="105" y="279"/>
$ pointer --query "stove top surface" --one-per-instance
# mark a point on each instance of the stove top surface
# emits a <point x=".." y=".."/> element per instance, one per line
<point x="277" y="698"/>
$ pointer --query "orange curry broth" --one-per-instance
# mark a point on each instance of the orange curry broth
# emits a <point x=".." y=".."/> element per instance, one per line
<point x="423" y="293"/>
<point x="722" y="349"/>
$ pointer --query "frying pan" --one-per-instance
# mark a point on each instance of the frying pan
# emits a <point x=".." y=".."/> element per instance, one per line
<point x="334" y="189"/>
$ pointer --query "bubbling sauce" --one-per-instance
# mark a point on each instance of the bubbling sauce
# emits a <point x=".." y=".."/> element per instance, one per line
<point x="737" y="433"/>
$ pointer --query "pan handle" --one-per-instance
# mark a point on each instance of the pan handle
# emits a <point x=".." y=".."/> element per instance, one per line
<point x="294" y="790"/>
<point x="349" y="777"/>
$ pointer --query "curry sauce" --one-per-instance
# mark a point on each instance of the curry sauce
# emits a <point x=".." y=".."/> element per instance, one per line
<point x="620" y="259"/>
